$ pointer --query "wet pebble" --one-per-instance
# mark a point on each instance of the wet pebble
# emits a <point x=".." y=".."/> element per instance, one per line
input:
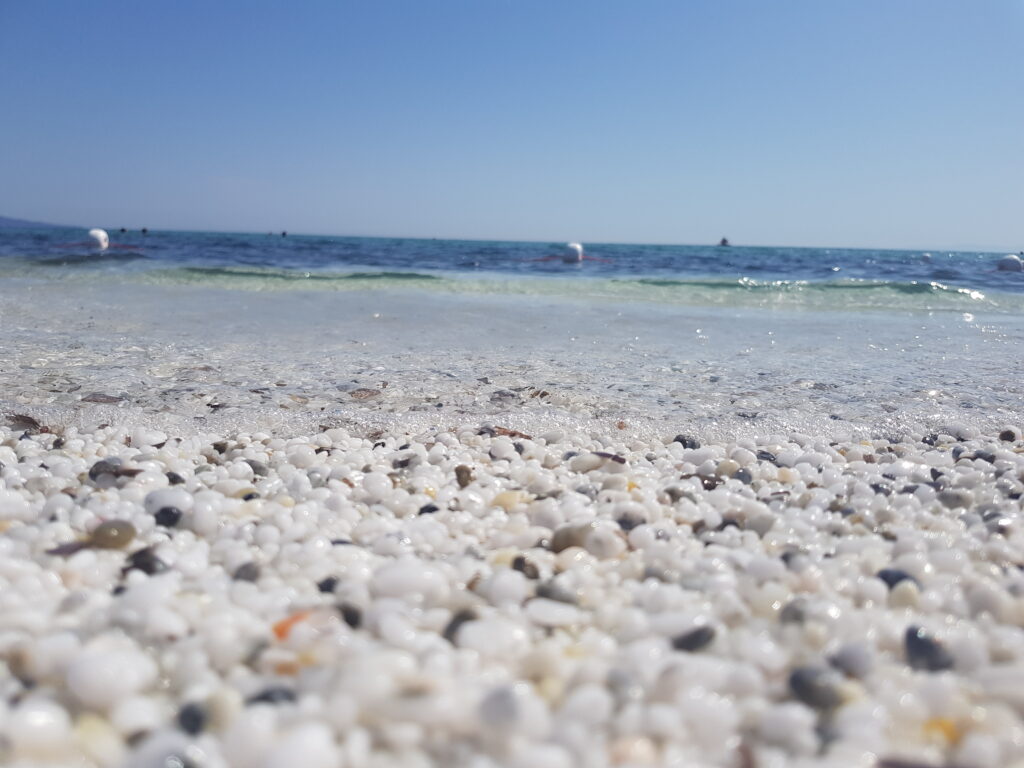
<point x="817" y="687"/>
<point x="893" y="576"/>
<point x="272" y="695"/>
<point x="327" y="585"/>
<point x="687" y="442"/>
<point x="145" y="560"/>
<point x="925" y="652"/>
<point x="246" y="572"/>
<point x="694" y="640"/>
<point x="192" y="718"/>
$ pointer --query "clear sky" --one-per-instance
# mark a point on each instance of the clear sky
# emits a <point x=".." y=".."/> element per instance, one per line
<point x="891" y="123"/>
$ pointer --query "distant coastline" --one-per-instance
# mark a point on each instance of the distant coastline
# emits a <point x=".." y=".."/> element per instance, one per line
<point x="7" y="222"/>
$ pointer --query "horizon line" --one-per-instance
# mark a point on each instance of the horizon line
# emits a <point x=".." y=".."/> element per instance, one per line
<point x="957" y="249"/>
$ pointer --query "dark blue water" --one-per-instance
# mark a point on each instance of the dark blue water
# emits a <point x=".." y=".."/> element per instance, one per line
<point x="814" y="278"/>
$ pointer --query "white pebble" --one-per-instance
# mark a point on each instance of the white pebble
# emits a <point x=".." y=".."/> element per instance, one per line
<point x="103" y="673"/>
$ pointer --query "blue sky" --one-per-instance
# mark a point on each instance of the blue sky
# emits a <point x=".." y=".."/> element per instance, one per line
<point x="890" y="123"/>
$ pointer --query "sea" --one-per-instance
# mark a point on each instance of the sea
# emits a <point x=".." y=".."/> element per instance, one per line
<point x="690" y="275"/>
<point x="223" y="331"/>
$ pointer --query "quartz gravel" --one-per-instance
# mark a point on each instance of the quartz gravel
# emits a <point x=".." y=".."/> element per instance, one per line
<point x="475" y="596"/>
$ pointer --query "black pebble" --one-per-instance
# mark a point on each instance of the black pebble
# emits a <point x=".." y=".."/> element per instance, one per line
<point x="686" y="441"/>
<point x="1007" y="436"/>
<point x="881" y="488"/>
<point x="525" y="567"/>
<point x="428" y="509"/>
<point x="352" y="615"/>
<point x="743" y="475"/>
<point x="246" y="572"/>
<point x="275" y="695"/>
<point x="192" y="719"/>
<point x="985" y="456"/>
<point x="925" y="652"/>
<point x="145" y="560"/>
<point x="893" y="576"/>
<point x="794" y="612"/>
<point x="175" y="479"/>
<point x="935" y="473"/>
<point x="629" y="522"/>
<point x="695" y="639"/>
<point x="328" y="584"/>
<point x="767" y="456"/>
<point x="59" y="442"/>
<point x="815" y="687"/>
<point x="460" y="618"/>
<point x="104" y="467"/>
<point x="341" y="542"/>
<point x="787" y="556"/>
<point x="167" y="516"/>
<point x="250" y="496"/>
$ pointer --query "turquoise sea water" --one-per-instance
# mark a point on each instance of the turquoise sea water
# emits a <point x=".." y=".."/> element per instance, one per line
<point x="791" y="278"/>
<point x="226" y="332"/>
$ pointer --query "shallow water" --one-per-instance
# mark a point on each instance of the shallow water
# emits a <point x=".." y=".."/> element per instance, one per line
<point x="211" y="359"/>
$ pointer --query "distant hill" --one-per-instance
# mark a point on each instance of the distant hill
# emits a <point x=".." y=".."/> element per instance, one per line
<point x="9" y="223"/>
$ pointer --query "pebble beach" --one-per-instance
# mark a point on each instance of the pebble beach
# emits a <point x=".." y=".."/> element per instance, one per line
<point x="266" y="530"/>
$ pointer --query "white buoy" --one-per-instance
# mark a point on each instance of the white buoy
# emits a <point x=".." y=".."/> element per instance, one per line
<point x="1010" y="263"/>
<point x="573" y="252"/>
<point x="100" y="238"/>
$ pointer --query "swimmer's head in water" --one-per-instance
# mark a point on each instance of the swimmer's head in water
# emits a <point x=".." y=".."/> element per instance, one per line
<point x="99" y="238"/>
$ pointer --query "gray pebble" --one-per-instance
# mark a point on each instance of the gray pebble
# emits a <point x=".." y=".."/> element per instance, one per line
<point x="695" y="639"/>
<point x="954" y="498"/>
<point x="817" y="687"/>
<point x="853" y="660"/>
<point x="925" y="652"/>
<point x="246" y="572"/>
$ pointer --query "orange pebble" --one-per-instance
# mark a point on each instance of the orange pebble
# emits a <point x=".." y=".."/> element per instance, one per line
<point x="944" y="727"/>
<point x="286" y="668"/>
<point x="284" y="626"/>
